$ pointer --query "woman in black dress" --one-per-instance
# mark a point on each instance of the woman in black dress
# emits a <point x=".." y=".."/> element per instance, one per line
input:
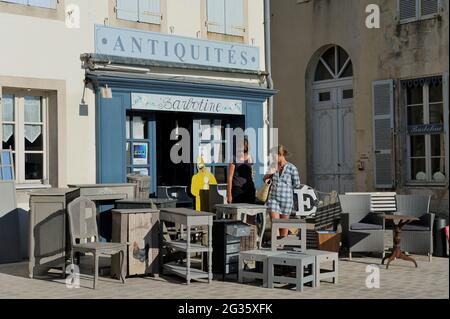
<point x="241" y="188"/>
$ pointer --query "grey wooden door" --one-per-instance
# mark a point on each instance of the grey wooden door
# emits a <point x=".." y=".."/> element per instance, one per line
<point x="332" y="139"/>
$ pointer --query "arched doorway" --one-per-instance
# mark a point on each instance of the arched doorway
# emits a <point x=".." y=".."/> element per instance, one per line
<point x="332" y="161"/>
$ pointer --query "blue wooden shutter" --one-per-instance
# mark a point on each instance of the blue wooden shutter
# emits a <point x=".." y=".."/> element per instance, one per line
<point x="383" y="124"/>
<point x="150" y="11"/>
<point x="216" y="16"/>
<point x="127" y="10"/>
<point x="234" y="17"/>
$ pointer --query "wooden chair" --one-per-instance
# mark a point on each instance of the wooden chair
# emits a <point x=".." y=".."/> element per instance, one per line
<point x="84" y="235"/>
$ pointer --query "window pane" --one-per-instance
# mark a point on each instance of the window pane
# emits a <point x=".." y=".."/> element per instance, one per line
<point x="33" y="109"/>
<point x="348" y="71"/>
<point x="436" y="93"/>
<point x="437" y="145"/>
<point x="34" y="166"/>
<point x="140" y="130"/>
<point x="417" y="145"/>
<point x="347" y="94"/>
<point x="322" y="73"/>
<point x="438" y="169"/>
<point x="221" y="174"/>
<point x="436" y="113"/>
<point x="342" y="57"/>
<point x="324" y="96"/>
<point x="127" y="128"/>
<point x="8" y="108"/>
<point x="205" y="130"/>
<point x="8" y="138"/>
<point x="418" y="169"/>
<point x="128" y="153"/>
<point x="219" y="154"/>
<point x="33" y="138"/>
<point x="328" y="57"/>
<point x="414" y="95"/>
<point x="415" y="115"/>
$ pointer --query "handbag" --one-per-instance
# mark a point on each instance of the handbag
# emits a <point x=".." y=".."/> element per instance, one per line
<point x="262" y="193"/>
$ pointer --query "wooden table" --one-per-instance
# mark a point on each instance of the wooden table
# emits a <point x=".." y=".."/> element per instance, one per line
<point x="241" y="212"/>
<point x="396" y="251"/>
<point x="189" y="218"/>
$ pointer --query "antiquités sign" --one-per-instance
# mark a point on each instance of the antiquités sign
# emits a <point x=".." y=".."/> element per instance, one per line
<point x="170" y="48"/>
<point x="175" y="103"/>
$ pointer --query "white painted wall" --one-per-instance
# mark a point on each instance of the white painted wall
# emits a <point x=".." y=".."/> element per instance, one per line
<point x="46" y="49"/>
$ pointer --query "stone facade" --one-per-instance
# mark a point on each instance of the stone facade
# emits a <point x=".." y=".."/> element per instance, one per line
<point x="303" y="30"/>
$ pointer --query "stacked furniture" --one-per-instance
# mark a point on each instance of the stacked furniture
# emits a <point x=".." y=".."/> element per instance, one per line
<point x="142" y="185"/>
<point x="49" y="242"/>
<point x="226" y="242"/>
<point x="188" y="218"/>
<point x="241" y="212"/>
<point x="362" y="230"/>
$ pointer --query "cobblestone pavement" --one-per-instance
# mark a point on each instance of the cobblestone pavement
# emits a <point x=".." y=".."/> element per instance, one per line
<point x="401" y="280"/>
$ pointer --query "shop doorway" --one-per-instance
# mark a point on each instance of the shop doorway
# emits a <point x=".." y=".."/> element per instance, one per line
<point x="332" y="142"/>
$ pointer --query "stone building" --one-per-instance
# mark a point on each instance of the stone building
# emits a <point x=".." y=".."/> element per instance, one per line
<point x="364" y="109"/>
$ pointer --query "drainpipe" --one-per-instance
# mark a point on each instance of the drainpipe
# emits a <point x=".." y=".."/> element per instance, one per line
<point x="268" y="62"/>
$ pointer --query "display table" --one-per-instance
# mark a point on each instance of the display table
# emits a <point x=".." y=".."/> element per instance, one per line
<point x="297" y="260"/>
<point x="321" y="258"/>
<point x="396" y="250"/>
<point x="140" y="229"/>
<point x="189" y="218"/>
<point x="260" y="256"/>
<point x="48" y="229"/>
<point x="241" y="212"/>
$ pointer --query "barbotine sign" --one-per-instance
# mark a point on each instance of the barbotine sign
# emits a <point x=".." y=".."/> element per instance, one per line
<point x="169" y="48"/>
<point x="175" y="103"/>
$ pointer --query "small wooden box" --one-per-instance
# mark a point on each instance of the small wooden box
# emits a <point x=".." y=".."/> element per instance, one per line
<point x="140" y="229"/>
<point x="329" y="241"/>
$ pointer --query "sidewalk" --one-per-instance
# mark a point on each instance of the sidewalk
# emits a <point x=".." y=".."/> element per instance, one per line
<point x="401" y="280"/>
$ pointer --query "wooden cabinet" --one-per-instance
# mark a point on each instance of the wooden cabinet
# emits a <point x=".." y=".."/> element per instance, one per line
<point x="48" y="232"/>
<point x="141" y="230"/>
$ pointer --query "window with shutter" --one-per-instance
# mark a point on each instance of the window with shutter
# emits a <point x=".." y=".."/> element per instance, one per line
<point x="414" y="10"/>
<point x="216" y="16"/>
<point x="48" y="4"/>
<point x="234" y="17"/>
<point x="150" y="11"/>
<point x="383" y="106"/>
<point x="127" y="10"/>
<point x="429" y="7"/>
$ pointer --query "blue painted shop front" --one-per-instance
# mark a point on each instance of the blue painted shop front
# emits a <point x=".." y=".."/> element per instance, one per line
<point x="115" y="124"/>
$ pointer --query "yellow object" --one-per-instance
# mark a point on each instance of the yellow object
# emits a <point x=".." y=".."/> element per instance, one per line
<point x="200" y="181"/>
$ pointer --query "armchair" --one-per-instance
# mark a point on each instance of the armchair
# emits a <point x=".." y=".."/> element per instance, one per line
<point x="417" y="237"/>
<point x="362" y="231"/>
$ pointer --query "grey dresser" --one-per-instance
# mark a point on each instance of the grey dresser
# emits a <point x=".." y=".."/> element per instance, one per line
<point x="48" y="232"/>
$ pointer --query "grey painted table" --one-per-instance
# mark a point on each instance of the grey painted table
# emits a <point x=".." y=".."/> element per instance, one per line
<point x="49" y="229"/>
<point x="261" y="255"/>
<point x="189" y="218"/>
<point x="241" y="212"/>
<point x="323" y="257"/>
<point x="299" y="261"/>
<point x="157" y="203"/>
<point x="298" y="240"/>
<point x="107" y="192"/>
